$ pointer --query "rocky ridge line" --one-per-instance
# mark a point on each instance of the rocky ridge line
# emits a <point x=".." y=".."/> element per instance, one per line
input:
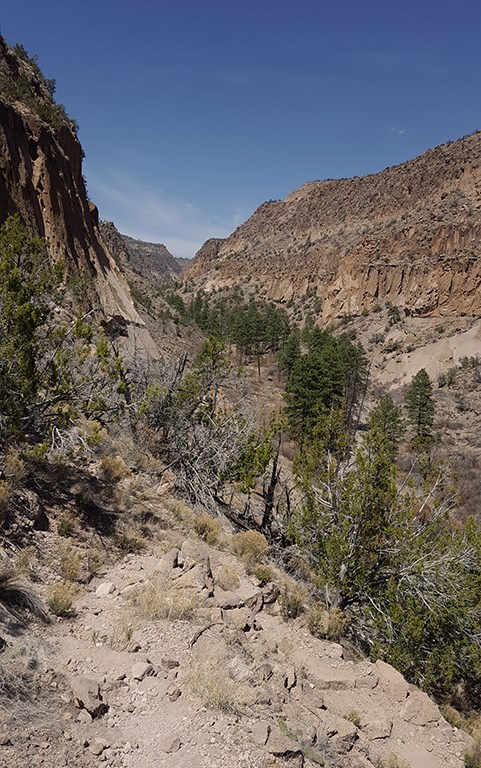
<point x="408" y="235"/>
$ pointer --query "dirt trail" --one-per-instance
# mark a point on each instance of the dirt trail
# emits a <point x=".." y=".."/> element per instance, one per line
<point x="221" y="682"/>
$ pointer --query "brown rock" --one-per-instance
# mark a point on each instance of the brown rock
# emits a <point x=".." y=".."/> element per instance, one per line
<point x="391" y="681"/>
<point x="418" y="709"/>
<point x="87" y="695"/>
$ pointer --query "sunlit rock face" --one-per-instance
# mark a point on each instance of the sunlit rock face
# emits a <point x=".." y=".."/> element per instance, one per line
<point x="409" y="235"/>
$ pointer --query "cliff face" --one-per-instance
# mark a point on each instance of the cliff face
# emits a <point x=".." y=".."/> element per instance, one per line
<point x="409" y="235"/>
<point x="152" y="259"/>
<point x="41" y="179"/>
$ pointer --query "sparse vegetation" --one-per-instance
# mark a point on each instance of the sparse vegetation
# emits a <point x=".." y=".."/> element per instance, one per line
<point x="208" y="528"/>
<point x="60" y="598"/>
<point x="251" y="547"/>
<point x="217" y="690"/>
<point x="159" y="599"/>
<point x="264" y="574"/>
<point x="227" y="578"/>
<point x="292" y="601"/>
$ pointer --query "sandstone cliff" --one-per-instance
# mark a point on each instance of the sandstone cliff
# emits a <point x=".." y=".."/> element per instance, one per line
<point x="409" y="235"/>
<point x="41" y="179"/>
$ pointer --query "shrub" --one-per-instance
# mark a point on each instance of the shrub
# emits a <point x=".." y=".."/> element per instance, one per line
<point x="264" y="574"/>
<point x="354" y="717"/>
<point x="129" y="543"/>
<point x="472" y="758"/>
<point x="70" y="563"/>
<point x="113" y="469"/>
<point x="208" y="528"/>
<point x="251" y="546"/>
<point x="326" y="624"/>
<point x="14" y="467"/>
<point x="292" y="602"/>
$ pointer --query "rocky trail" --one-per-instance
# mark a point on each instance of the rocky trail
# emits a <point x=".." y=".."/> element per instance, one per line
<point x="178" y="657"/>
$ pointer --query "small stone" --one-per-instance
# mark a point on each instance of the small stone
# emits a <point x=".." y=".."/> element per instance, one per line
<point x="105" y="589"/>
<point x="84" y="717"/>
<point x="174" y="693"/>
<point x="141" y="669"/>
<point x="97" y="746"/>
<point x="170" y="744"/>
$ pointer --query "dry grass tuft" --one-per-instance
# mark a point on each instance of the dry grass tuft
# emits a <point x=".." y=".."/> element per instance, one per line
<point x="60" y="598"/>
<point x="251" y="547"/>
<point x="5" y="494"/>
<point x="217" y="690"/>
<point x="71" y="563"/>
<point x="114" y="469"/>
<point x="264" y="574"/>
<point x="14" y="467"/>
<point x="208" y="528"/>
<point x="66" y="525"/>
<point x="160" y="599"/>
<point x="17" y="667"/>
<point x="326" y="624"/>
<point x="227" y="578"/>
<point x="393" y="761"/>
<point x="15" y="597"/>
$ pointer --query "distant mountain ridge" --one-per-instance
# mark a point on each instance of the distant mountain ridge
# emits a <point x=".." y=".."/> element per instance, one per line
<point x="152" y="260"/>
<point x="409" y="235"/>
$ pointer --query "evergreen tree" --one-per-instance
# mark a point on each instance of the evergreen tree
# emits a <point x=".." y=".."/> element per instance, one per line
<point x="420" y="408"/>
<point x="410" y="583"/>
<point x="386" y="417"/>
<point x="290" y="353"/>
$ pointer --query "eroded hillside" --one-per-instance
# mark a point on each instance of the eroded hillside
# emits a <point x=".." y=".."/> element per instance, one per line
<point x="408" y="235"/>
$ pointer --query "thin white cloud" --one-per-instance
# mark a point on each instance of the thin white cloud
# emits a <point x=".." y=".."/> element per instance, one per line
<point x="397" y="129"/>
<point x="145" y="213"/>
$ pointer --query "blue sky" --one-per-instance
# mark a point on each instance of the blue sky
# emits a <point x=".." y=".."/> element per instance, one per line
<point x="193" y="113"/>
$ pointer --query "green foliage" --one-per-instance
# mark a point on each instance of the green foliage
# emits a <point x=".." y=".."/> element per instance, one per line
<point x="387" y="418"/>
<point x="25" y="286"/>
<point x="30" y="86"/>
<point x="409" y="582"/>
<point x="255" y="327"/>
<point x="290" y="353"/>
<point x="420" y="408"/>
<point x="331" y="372"/>
<point x="49" y="373"/>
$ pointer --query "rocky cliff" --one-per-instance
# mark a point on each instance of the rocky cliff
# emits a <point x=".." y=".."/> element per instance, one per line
<point x="41" y="179"/>
<point x="409" y="235"/>
<point x="152" y="259"/>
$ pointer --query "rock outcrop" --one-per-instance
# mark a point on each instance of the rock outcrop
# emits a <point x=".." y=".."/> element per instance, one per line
<point x="41" y="179"/>
<point x="409" y="235"/>
<point x="152" y="259"/>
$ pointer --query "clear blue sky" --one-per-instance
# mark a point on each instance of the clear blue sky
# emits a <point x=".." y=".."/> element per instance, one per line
<point x="193" y="113"/>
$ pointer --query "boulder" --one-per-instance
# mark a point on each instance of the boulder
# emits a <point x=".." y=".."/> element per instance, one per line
<point x="86" y="693"/>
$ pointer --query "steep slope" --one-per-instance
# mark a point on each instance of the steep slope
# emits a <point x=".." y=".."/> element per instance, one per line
<point x="408" y="235"/>
<point x="41" y="179"/>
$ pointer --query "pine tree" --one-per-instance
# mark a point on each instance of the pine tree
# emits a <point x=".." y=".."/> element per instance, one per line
<point x="420" y="408"/>
<point x="386" y="417"/>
